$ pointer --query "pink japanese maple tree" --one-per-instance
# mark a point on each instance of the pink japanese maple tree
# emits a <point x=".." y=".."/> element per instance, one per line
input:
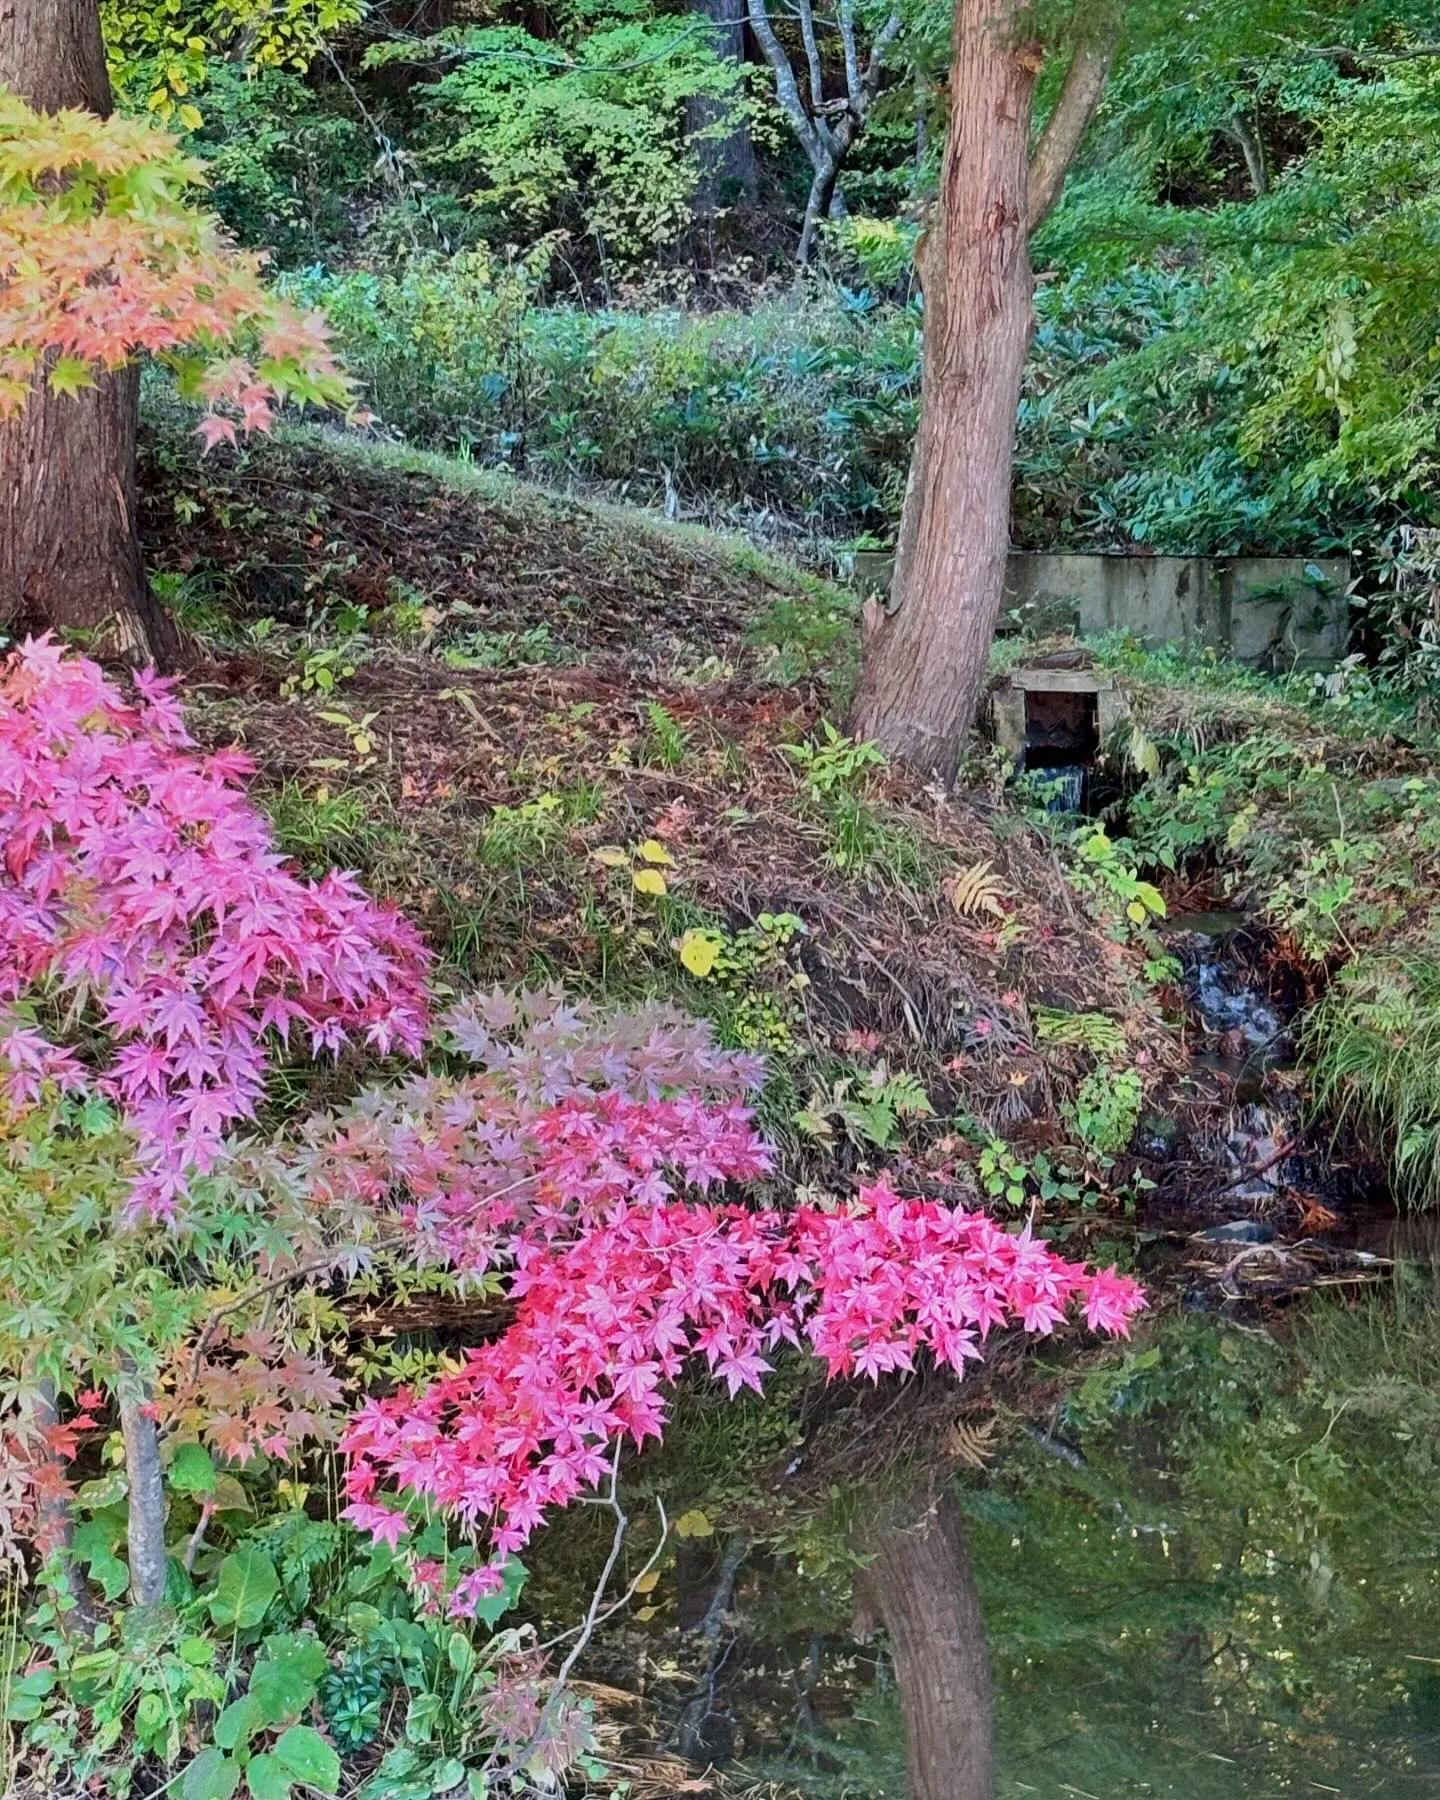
<point x="584" y="1167"/>
<point x="144" y="905"/>
<point x="576" y="1168"/>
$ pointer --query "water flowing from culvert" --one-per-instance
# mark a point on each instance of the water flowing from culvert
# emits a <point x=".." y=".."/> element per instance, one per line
<point x="1067" y="788"/>
<point x="1059" y="787"/>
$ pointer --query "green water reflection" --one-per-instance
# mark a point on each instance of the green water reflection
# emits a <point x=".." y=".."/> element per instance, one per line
<point x="1230" y="1591"/>
<point x="1236" y="1594"/>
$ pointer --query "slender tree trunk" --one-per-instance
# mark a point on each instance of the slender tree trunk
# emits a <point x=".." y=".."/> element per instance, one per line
<point x="145" y="1522"/>
<point x="822" y="192"/>
<point x="55" y="1520"/>
<point x="69" y="551"/>
<point x="921" y="1588"/>
<point x="925" y="654"/>
<point x="1243" y="133"/>
<point x="727" y="154"/>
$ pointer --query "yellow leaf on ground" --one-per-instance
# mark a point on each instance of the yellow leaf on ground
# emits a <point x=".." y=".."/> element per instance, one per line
<point x="612" y="856"/>
<point x="653" y="851"/>
<point x="649" y="881"/>
<point x="699" y="951"/>
<point x="694" y="1524"/>
<point x="648" y="1582"/>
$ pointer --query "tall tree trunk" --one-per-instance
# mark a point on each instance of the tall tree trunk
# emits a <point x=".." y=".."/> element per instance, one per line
<point x="727" y="154"/>
<point x="921" y="1588"/>
<point x="925" y="654"/>
<point x="69" y="549"/>
<point x="925" y="651"/>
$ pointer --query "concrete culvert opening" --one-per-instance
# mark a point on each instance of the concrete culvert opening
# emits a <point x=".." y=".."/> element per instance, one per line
<point x="1052" y="718"/>
<point x="1061" y="730"/>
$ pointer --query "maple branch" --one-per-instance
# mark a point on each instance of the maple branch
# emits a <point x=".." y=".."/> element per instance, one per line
<point x="318" y="1265"/>
<point x="145" y="1509"/>
<point x="1060" y="140"/>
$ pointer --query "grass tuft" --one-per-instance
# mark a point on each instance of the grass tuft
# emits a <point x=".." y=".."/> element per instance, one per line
<point x="1374" y="1045"/>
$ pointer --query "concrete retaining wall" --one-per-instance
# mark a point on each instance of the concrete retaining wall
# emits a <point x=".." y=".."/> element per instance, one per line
<point x="1270" y="611"/>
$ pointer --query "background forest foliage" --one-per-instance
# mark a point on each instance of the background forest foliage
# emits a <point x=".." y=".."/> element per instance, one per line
<point x="528" y="228"/>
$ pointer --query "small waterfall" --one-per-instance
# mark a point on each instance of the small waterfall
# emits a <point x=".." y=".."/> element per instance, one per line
<point x="1254" y="1147"/>
<point x="1064" y="787"/>
<point x="1231" y="1004"/>
<point x="1227" y="1002"/>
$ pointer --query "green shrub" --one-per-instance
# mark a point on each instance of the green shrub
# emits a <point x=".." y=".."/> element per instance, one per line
<point x="286" y="166"/>
<point x="588" y="137"/>
<point x="804" y="405"/>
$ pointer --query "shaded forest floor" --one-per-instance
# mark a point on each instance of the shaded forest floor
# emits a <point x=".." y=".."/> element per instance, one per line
<point x="489" y="702"/>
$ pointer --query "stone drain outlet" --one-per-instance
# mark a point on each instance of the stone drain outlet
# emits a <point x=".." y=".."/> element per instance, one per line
<point x="1055" y="715"/>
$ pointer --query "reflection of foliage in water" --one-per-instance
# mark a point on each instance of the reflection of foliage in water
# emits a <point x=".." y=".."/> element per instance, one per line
<point x="1235" y="1593"/>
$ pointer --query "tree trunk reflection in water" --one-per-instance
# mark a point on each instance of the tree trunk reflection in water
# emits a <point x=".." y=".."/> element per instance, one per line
<point x="920" y="1587"/>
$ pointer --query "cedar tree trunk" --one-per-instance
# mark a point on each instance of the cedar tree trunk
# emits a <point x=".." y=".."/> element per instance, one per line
<point x="69" y="552"/>
<point x="921" y="1588"/>
<point x="926" y="649"/>
<point x="726" y="153"/>
<point x="925" y="657"/>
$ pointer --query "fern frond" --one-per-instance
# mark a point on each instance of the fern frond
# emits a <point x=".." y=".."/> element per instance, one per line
<point x="972" y="1445"/>
<point x="978" y="890"/>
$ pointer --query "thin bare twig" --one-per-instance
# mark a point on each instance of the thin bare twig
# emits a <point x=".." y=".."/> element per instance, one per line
<point x="197" y="1536"/>
<point x="317" y="1265"/>
<point x="597" y="1612"/>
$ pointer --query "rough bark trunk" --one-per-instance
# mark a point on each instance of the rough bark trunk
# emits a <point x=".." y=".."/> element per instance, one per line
<point x="925" y="653"/>
<point x="728" y="170"/>
<point x="69" y="550"/>
<point x="145" y="1521"/>
<point x="921" y="1588"/>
